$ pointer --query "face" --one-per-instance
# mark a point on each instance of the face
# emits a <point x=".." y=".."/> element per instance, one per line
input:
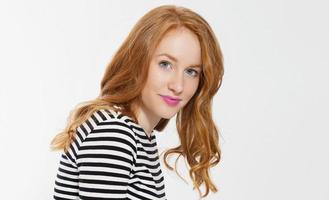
<point x="174" y="71"/>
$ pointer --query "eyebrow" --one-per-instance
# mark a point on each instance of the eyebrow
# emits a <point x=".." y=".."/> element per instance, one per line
<point x="175" y="59"/>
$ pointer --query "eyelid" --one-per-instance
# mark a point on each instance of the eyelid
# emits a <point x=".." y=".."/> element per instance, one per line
<point x="195" y="71"/>
<point x="165" y="61"/>
<point x="167" y="57"/>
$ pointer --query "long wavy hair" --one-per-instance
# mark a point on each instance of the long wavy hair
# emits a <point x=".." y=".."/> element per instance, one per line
<point x="199" y="137"/>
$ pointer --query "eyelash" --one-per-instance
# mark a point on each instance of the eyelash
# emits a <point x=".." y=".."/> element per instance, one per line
<point x="166" y="62"/>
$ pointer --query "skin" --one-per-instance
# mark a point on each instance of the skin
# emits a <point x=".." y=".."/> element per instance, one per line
<point x="167" y="76"/>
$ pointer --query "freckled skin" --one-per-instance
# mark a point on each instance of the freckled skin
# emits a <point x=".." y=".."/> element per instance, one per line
<point x="172" y="78"/>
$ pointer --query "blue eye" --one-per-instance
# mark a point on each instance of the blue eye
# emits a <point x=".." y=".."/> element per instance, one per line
<point x="164" y="64"/>
<point x="194" y="72"/>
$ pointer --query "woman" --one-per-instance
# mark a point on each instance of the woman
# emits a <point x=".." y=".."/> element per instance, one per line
<point x="170" y="63"/>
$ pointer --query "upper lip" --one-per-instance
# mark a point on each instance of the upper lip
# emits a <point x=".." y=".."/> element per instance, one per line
<point x="174" y="98"/>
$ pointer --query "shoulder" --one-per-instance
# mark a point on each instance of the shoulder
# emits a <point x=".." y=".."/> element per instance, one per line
<point x="103" y="129"/>
<point x="103" y="120"/>
<point x="108" y="138"/>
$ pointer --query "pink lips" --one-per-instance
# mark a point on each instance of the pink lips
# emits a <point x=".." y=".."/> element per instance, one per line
<point x="170" y="101"/>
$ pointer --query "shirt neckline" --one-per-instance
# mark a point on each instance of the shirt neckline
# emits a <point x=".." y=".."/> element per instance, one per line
<point x="139" y="126"/>
<point x="136" y="124"/>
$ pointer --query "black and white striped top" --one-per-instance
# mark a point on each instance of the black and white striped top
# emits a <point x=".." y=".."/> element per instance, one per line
<point x="111" y="157"/>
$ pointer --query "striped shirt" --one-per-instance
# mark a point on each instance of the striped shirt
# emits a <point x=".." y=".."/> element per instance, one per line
<point x="111" y="157"/>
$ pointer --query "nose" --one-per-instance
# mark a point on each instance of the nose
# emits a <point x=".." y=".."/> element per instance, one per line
<point x="176" y="83"/>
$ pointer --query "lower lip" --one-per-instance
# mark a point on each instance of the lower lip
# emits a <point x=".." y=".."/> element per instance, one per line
<point x="170" y="102"/>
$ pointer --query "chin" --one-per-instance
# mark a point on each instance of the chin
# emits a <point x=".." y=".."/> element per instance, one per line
<point x="168" y="113"/>
<point x="167" y="116"/>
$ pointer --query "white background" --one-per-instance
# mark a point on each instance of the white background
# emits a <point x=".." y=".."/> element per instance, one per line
<point x="272" y="109"/>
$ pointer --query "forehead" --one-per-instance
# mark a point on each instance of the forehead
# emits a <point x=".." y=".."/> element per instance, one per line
<point x="182" y="44"/>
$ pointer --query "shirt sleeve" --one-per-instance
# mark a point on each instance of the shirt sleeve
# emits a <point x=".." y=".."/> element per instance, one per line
<point x="98" y="164"/>
<point x="66" y="182"/>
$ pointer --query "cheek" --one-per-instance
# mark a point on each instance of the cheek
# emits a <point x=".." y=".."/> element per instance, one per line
<point x="191" y="88"/>
<point x="156" y="77"/>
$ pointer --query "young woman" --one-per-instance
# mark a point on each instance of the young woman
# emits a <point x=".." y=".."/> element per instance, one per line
<point x="170" y="63"/>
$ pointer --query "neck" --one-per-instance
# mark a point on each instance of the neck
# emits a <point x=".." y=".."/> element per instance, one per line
<point x="146" y="119"/>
